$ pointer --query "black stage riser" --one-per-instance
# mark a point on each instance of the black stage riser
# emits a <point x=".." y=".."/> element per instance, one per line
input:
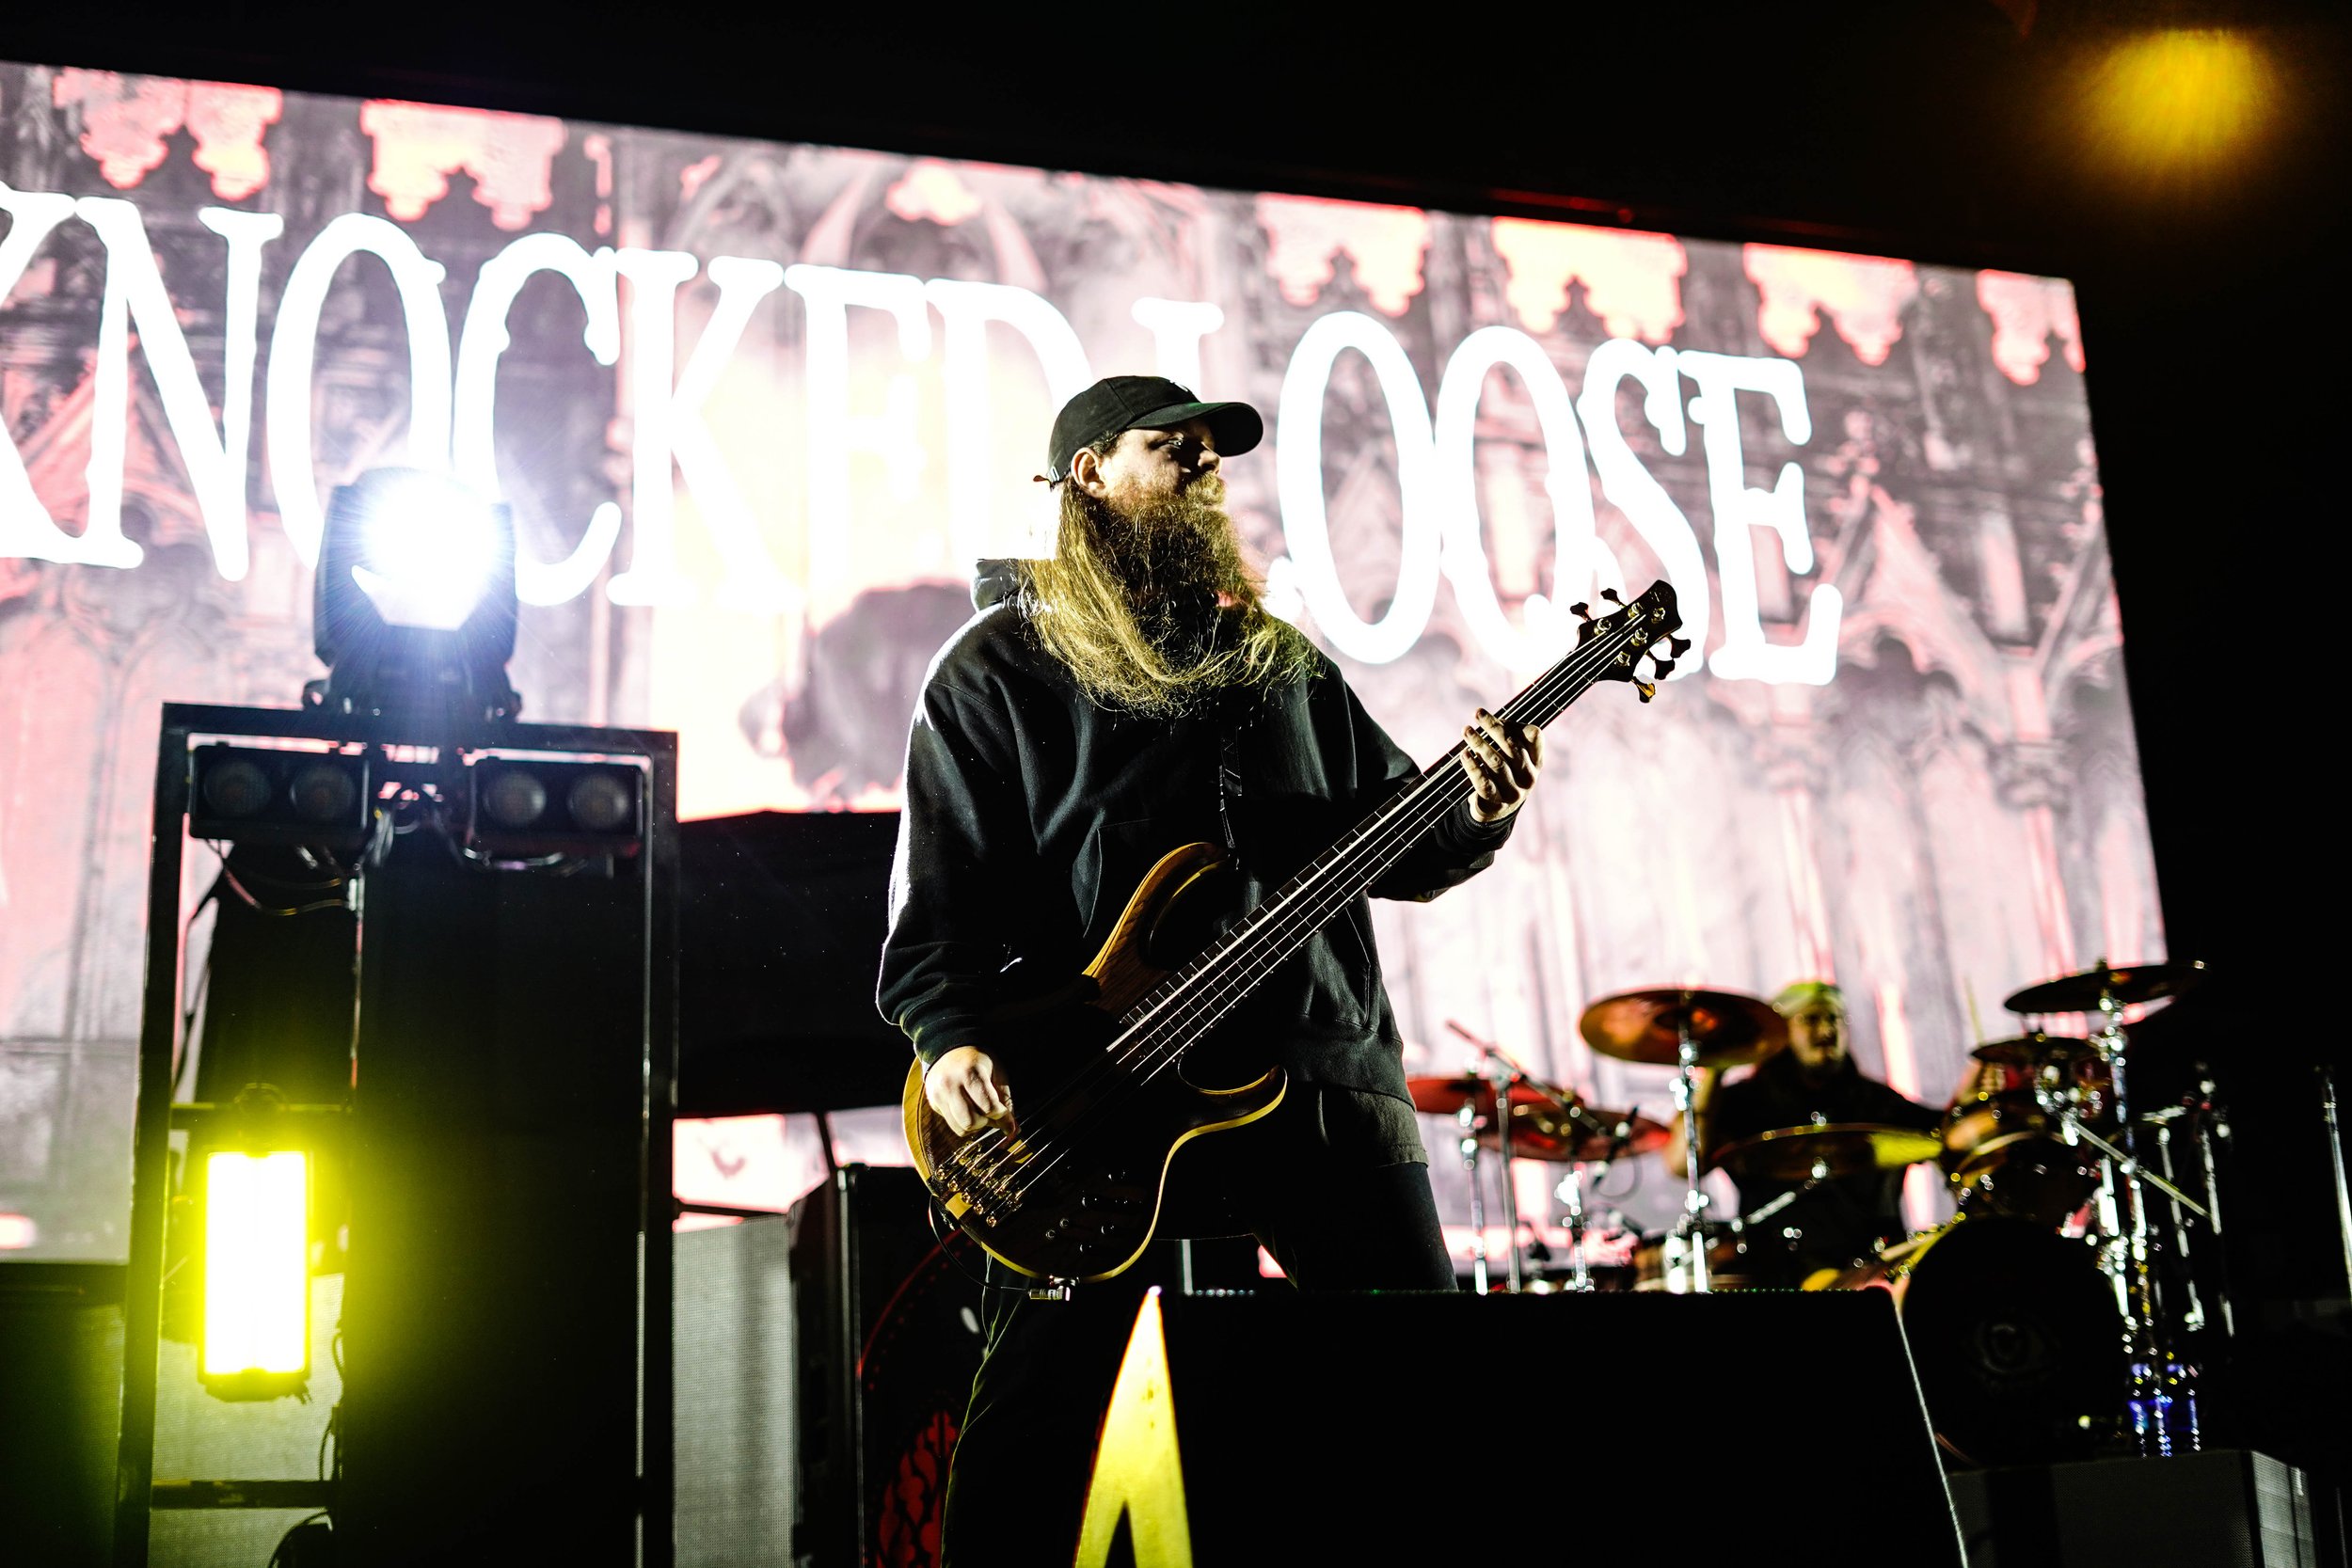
<point x="1709" y="1424"/>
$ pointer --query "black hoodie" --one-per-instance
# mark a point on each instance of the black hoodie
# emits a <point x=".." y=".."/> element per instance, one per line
<point x="1032" y="814"/>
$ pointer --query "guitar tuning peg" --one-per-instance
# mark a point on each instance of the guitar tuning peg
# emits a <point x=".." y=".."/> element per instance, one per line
<point x="1646" y="690"/>
<point x="1662" y="668"/>
<point x="1611" y="594"/>
<point x="1581" y="611"/>
<point x="1679" y="644"/>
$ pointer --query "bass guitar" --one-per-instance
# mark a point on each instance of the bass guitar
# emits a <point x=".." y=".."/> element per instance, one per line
<point x="1071" y="1190"/>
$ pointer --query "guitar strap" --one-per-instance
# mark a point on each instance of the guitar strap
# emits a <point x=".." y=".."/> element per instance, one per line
<point x="1229" y="785"/>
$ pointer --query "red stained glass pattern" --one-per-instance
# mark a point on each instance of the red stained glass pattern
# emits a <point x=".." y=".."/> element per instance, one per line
<point x="1384" y="246"/>
<point x="418" y="146"/>
<point x="1863" y="296"/>
<point x="1633" y="280"/>
<point x="125" y="120"/>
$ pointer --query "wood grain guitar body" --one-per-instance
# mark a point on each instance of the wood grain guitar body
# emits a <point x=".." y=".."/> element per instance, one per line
<point x="1073" y="1190"/>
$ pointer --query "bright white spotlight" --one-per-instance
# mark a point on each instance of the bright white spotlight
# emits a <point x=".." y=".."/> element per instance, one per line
<point x="428" y="551"/>
<point x="414" y="605"/>
<point x="256" y="1271"/>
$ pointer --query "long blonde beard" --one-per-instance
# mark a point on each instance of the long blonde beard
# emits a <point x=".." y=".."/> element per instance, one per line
<point x="1120" y="605"/>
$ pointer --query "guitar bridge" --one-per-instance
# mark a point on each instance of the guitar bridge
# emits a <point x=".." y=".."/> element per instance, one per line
<point x="980" y="1182"/>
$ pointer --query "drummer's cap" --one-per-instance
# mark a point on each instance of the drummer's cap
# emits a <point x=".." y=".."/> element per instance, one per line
<point x="1808" y="993"/>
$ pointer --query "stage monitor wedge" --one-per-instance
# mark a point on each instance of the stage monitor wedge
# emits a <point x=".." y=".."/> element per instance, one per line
<point x="1294" y="1428"/>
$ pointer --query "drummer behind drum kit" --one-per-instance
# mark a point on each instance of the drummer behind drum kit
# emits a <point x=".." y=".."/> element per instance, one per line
<point x="2057" y="1305"/>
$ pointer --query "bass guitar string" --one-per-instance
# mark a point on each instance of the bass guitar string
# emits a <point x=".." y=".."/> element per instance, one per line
<point x="1396" y="828"/>
<point x="1393" y="832"/>
<point x="1156" y="1041"/>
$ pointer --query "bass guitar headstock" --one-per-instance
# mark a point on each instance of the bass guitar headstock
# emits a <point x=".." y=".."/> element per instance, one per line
<point x="1643" y="630"/>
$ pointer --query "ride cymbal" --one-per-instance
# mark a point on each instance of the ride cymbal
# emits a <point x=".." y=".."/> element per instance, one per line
<point x="1729" y="1029"/>
<point x="1830" y="1149"/>
<point x="2124" y="986"/>
<point x="2028" y="1052"/>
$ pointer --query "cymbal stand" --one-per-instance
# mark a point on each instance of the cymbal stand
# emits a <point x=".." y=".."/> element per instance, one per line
<point x="2335" y="1152"/>
<point x="1572" y="1195"/>
<point x="1692" y="1227"/>
<point x="1469" y="1118"/>
<point x="1505" y="1078"/>
<point x="1570" y="1190"/>
<point x="2158" y="1382"/>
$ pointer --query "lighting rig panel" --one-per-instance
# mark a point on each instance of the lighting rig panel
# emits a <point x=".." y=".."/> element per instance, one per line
<point x="494" y="1159"/>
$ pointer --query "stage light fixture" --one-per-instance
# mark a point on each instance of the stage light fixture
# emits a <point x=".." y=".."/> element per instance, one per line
<point x="514" y="799"/>
<point x="601" y="801"/>
<point x="528" y="807"/>
<point x="257" y="795"/>
<point x="322" y="792"/>
<point x="235" y="786"/>
<point x="257" y="1273"/>
<point x="413" y="608"/>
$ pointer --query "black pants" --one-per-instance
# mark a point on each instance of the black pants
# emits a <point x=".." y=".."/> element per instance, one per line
<point x="1017" y="1490"/>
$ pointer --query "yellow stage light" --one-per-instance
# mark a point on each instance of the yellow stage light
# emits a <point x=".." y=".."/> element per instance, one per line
<point x="2181" y="103"/>
<point x="257" y="1273"/>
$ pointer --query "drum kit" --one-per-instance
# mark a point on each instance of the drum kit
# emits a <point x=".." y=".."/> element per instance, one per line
<point x="2064" y="1293"/>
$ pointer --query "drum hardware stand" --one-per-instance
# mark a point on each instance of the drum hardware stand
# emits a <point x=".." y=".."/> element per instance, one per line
<point x="1505" y="1077"/>
<point x="2335" y="1152"/>
<point x="2155" y="1372"/>
<point x="1571" y="1188"/>
<point x="1692" y="1228"/>
<point x="2210" y="1122"/>
<point x="1572" y="1195"/>
<point x="2193" y="1312"/>
<point x="1469" y="1118"/>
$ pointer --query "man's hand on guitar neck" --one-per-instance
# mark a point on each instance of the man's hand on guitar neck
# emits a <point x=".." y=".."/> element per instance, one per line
<point x="1502" y="764"/>
<point x="968" y="1089"/>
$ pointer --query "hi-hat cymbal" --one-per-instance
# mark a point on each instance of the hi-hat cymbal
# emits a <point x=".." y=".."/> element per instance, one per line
<point x="2034" y="1050"/>
<point x="1542" y="1130"/>
<point x="1835" y="1148"/>
<point x="1728" y="1029"/>
<point x="2125" y="985"/>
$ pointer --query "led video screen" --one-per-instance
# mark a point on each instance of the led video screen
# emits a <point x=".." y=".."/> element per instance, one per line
<point x="758" y="408"/>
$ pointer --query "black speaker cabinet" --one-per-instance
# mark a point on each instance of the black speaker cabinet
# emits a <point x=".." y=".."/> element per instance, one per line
<point x="888" y="1333"/>
<point x="1292" y="1428"/>
<point x="491" y="1315"/>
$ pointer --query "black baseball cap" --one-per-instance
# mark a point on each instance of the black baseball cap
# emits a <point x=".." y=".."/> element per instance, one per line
<point x="1118" y="403"/>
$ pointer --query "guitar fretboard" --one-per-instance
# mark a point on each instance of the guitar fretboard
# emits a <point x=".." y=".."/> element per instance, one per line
<point x="1190" y="1003"/>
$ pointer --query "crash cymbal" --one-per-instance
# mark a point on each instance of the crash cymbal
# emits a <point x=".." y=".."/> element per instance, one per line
<point x="1442" y="1096"/>
<point x="1728" y="1028"/>
<point x="2127" y="987"/>
<point x="2029" y="1051"/>
<point x="1545" y="1132"/>
<point x="1833" y="1148"/>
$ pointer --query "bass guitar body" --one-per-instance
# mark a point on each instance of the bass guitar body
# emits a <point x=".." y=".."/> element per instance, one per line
<point x="1071" y="1189"/>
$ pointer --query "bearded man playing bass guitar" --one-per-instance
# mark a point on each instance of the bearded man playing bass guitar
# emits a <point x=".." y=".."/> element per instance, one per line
<point x="1127" y="696"/>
